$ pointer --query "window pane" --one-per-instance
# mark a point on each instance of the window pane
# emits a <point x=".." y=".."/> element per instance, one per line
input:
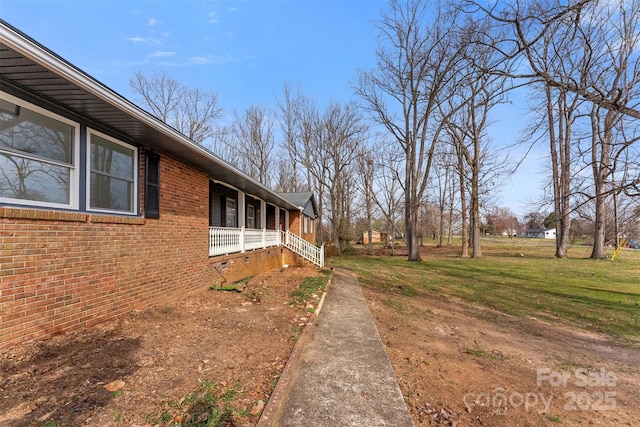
<point x="111" y="158"/>
<point x="111" y="193"/>
<point x="26" y="179"/>
<point x="34" y="134"/>
<point x="231" y="213"/>
<point x="250" y="217"/>
<point x="112" y="179"/>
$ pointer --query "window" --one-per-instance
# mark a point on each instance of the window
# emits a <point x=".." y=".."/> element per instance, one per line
<point x="311" y="222"/>
<point x="111" y="169"/>
<point x="251" y="216"/>
<point x="231" y="212"/>
<point x="305" y="223"/>
<point x="152" y="186"/>
<point x="38" y="155"/>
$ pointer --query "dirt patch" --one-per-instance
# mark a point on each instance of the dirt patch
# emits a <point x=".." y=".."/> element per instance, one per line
<point x="457" y="364"/>
<point x="464" y="365"/>
<point x="235" y="343"/>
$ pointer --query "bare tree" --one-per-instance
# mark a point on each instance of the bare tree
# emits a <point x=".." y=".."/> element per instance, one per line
<point x="445" y="169"/>
<point x="254" y="142"/>
<point x="388" y="180"/>
<point x="308" y="150"/>
<point x="561" y="54"/>
<point x="418" y="55"/>
<point x="478" y="92"/>
<point x="529" y="23"/>
<point x="342" y="135"/>
<point x="462" y="182"/>
<point x="366" y="169"/>
<point x="284" y="180"/>
<point x="289" y="108"/>
<point x="584" y="55"/>
<point x="190" y="111"/>
<point x="616" y="72"/>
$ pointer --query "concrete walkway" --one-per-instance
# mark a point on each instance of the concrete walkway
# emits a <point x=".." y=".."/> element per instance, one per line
<point x="342" y="376"/>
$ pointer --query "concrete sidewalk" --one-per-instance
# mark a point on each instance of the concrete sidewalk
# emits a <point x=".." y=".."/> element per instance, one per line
<point x="342" y="376"/>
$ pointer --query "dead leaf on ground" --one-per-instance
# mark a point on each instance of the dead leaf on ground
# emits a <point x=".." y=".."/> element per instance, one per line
<point x="114" y="386"/>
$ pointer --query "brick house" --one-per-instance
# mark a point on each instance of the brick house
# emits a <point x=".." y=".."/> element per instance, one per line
<point x="303" y="222"/>
<point x="105" y="209"/>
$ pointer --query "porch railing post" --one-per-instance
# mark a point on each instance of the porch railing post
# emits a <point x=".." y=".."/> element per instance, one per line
<point x="242" y="250"/>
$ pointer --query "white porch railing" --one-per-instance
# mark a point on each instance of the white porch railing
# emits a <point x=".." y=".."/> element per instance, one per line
<point x="303" y="248"/>
<point x="227" y="240"/>
<point x="224" y="240"/>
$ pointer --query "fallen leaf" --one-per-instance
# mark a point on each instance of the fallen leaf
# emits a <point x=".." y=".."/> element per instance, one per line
<point x="114" y="386"/>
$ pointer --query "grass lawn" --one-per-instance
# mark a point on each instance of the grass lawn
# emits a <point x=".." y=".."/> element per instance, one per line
<point x="521" y="277"/>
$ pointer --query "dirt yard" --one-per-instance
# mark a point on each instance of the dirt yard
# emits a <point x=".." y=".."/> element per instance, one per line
<point x="464" y="365"/>
<point x="457" y="364"/>
<point x="233" y="343"/>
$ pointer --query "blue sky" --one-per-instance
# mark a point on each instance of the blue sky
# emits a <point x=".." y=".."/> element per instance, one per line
<point x="244" y="50"/>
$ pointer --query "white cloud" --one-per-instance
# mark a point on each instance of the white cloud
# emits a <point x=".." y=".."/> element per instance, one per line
<point x="232" y="9"/>
<point x="209" y="59"/>
<point x="213" y="17"/>
<point x="153" y="21"/>
<point x="162" y="54"/>
<point x="198" y="60"/>
<point x="136" y="39"/>
<point x="152" y="41"/>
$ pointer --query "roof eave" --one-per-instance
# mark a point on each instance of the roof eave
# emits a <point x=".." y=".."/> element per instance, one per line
<point x="30" y="48"/>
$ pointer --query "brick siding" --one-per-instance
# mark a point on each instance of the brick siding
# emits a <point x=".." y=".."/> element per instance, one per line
<point x="296" y="227"/>
<point x="61" y="271"/>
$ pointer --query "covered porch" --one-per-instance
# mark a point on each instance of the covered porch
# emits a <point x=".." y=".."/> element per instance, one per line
<point x="241" y="222"/>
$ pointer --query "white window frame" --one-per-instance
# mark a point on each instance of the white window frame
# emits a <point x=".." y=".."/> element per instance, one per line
<point x="235" y="212"/>
<point x="136" y="162"/>
<point x="251" y="216"/>
<point x="305" y="223"/>
<point x="74" y="183"/>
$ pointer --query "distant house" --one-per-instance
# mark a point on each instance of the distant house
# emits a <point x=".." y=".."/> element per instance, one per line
<point x="541" y="233"/>
<point x="376" y="237"/>
<point x="105" y="209"/>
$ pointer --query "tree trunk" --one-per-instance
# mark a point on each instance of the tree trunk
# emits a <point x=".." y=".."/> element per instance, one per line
<point x="464" y="224"/>
<point x="412" y="235"/>
<point x="599" y="233"/>
<point x="411" y="208"/>
<point x="463" y="203"/>
<point x="476" y="249"/>
<point x="414" y="246"/>
<point x="441" y="226"/>
<point x="601" y="172"/>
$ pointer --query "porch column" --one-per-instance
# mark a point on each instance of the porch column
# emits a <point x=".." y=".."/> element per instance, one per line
<point x="263" y="214"/>
<point x="242" y="203"/>
<point x="277" y="218"/>
<point x="263" y="222"/>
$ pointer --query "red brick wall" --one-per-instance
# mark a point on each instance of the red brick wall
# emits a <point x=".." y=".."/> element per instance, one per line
<point x="297" y="228"/>
<point x="242" y="265"/>
<point x="61" y="271"/>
